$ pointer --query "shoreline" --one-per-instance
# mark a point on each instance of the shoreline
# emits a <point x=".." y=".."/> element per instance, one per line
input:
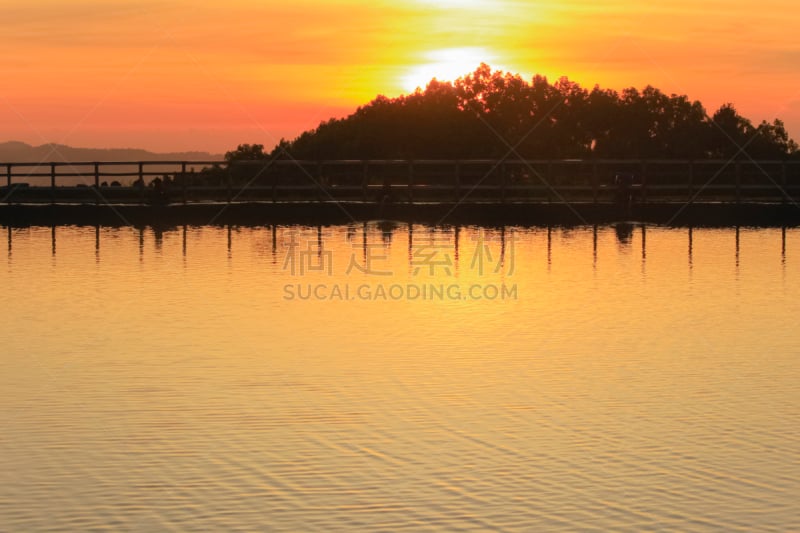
<point x="676" y="214"/>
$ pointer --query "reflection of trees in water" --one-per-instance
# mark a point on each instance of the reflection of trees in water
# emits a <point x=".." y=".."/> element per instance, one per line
<point x="624" y="231"/>
<point x="387" y="229"/>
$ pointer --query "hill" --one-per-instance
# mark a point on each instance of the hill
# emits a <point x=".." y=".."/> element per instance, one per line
<point x="19" y="152"/>
<point x="491" y="115"/>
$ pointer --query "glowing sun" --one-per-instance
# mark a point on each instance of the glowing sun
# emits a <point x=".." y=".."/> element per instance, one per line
<point x="445" y="64"/>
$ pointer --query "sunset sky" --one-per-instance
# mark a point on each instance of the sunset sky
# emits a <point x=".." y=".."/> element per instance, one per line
<point x="198" y="75"/>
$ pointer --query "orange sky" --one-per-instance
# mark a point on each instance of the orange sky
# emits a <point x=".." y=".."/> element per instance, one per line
<point x="192" y="74"/>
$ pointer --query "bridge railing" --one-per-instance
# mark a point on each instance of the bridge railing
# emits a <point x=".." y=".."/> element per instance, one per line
<point x="399" y="180"/>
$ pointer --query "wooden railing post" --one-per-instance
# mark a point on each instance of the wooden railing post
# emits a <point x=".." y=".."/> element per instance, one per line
<point x="365" y="180"/>
<point x="458" y="180"/>
<point x="549" y="187"/>
<point x="53" y="182"/>
<point x="784" y="182"/>
<point x="275" y="177"/>
<point x="503" y="173"/>
<point x="192" y="181"/>
<point x="229" y="183"/>
<point x="691" y="180"/>
<point x="8" y="182"/>
<point x="738" y="182"/>
<point x="184" y="177"/>
<point x="595" y="184"/>
<point x="320" y="193"/>
<point x="411" y="182"/>
<point x="141" y="182"/>
<point x="97" y="183"/>
<point x="644" y="181"/>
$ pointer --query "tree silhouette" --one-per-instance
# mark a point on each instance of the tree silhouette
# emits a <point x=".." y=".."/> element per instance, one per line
<point x="246" y="152"/>
<point x="492" y="114"/>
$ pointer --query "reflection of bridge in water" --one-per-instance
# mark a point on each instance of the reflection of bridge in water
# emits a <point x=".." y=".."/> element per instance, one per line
<point x="418" y="236"/>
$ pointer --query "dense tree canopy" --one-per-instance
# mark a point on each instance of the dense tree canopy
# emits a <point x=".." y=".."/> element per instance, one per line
<point x="246" y="152"/>
<point x="491" y="114"/>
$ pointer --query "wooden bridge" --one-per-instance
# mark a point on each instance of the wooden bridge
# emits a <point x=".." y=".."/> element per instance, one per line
<point x="400" y="181"/>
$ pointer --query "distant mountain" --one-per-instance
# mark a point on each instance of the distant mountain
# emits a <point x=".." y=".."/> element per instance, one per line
<point x="19" y="152"/>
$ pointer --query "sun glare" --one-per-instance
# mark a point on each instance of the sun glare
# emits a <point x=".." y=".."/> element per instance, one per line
<point x="445" y="65"/>
<point x="460" y="4"/>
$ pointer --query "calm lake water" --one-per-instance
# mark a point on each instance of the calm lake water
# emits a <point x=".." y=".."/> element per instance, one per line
<point x="384" y="377"/>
